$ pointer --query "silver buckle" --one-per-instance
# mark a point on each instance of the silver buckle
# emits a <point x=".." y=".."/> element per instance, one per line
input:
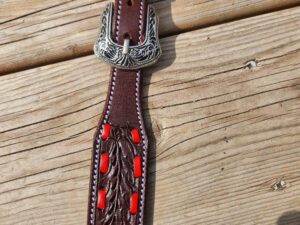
<point x="128" y="57"/>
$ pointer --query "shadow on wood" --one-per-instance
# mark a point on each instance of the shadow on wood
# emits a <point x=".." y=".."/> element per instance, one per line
<point x="150" y="188"/>
<point x="289" y="218"/>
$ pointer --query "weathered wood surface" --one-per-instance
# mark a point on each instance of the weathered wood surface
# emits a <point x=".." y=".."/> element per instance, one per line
<point x="224" y="132"/>
<point x="36" y="32"/>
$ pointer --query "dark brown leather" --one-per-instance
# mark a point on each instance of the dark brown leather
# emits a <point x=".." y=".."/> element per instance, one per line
<point x="123" y="112"/>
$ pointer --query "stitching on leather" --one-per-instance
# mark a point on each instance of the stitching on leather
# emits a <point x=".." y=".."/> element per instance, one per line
<point x="113" y="82"/>
<point x="118" y="19"/>
<point x="140" y="20"/>
<point x="137" y="95"/>
<point x="144" y="156"/>
<point x="96" y="165"/>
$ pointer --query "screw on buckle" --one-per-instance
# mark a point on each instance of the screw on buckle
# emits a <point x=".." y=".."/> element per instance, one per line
<point x="128" y="57"/>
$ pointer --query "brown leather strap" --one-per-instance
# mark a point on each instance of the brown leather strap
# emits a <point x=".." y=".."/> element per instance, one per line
<point x="118" y="172"/>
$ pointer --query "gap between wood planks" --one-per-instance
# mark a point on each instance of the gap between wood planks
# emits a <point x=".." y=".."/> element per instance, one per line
<point x="211" y="19"/>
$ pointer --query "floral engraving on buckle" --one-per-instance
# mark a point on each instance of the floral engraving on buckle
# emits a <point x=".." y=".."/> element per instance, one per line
<point x="128" y="57"/>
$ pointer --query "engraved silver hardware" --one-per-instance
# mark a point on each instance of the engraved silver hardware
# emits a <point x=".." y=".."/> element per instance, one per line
<point x="128" y="57"/>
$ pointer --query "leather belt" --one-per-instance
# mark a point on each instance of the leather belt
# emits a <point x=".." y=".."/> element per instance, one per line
<point x="128" y="40"/>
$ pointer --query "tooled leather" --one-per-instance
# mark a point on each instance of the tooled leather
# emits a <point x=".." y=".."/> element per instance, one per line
<point x="123" y="111"/>
<point x="119" y="180"/>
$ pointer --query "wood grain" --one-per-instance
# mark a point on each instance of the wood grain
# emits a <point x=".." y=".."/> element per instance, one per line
<point x="41" y="32"/>
<point x="222" y="130"/>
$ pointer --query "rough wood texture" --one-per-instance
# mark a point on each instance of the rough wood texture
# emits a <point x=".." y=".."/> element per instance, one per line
<point x="224" y="108"/>
<point x="42" y="32"/>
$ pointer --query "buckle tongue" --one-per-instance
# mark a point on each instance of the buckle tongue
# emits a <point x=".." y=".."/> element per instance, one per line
<point x="126" y="46"/>
<point x="128" y="57"/>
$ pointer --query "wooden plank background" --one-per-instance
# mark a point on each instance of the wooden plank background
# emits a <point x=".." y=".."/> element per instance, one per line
<point x="222" y="108"/>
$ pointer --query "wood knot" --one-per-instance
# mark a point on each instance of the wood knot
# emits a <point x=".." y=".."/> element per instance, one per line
<point x="279" y="185"/>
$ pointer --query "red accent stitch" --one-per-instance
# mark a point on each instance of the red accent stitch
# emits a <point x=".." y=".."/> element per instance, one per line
<point x="101" y="198"/>
<point x="104" y="162"/>
<point x="134" y="203"/>
<point x="137" y="166"/>
<point x="106" y="131"/>
<point x="135" y="135"/>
